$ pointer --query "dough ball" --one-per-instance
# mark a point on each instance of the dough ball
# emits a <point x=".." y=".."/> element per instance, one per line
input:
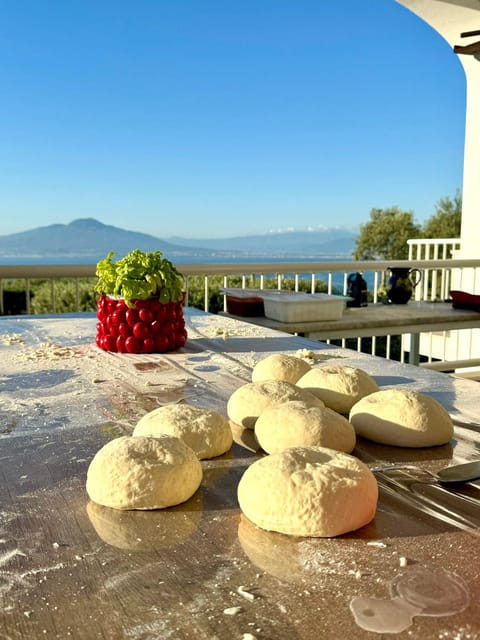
<point x="402" y="418"/>
<point x="308" y="491"/>
<point x="248" y="401"/>
<point x="143" y="473"/>
<point x="340" y="387"/>
<point x="280" y="366"/>
<point x="207" y="432"/>
<point x="297" y="424"/>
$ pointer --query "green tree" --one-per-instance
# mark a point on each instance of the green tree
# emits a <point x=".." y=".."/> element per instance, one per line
<point x="63" y="297"/>
<point x="446" y="221"/>
<point x="385" y="236"/>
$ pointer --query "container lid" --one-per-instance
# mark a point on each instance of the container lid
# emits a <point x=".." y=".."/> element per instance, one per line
<point x="241" y="293"/>
<point x="292" y="297"/>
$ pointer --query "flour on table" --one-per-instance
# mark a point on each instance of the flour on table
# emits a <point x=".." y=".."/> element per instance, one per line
<point x="11" y="338"/>
<point x="232" y="611"/>
<point x="48" y="351"/>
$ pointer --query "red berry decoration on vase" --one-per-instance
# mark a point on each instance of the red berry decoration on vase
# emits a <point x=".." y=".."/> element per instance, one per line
<point x="140" y="313"/>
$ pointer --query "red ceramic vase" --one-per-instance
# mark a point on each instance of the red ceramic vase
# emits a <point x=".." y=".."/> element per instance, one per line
<point x="148" y="327"/>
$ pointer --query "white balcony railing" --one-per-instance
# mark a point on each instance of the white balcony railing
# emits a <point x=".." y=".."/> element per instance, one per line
<point x="435" y="283"/>
<point x="433" y="249"/>
<point x="461" y="346"/>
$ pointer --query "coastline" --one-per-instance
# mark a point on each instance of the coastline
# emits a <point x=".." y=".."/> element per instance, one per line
<point x="181" y="259"/>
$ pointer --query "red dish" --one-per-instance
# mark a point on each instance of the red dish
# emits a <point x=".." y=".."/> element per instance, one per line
<point x="464" y="300"/>
<point x="245" y="307"/>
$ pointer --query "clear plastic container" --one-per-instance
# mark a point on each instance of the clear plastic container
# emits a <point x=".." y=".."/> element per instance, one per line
<point x="302" y="307"/>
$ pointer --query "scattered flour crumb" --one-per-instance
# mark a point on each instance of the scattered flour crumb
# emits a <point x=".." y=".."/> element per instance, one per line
<point x="307" y="355"/>
<point x="246" y="594"/>
<point x="49" y="351"/>
<point x="222" y="332"/>
<point x="11" y="338"/>
<point x="376" y="543"/>
<point x="249" y="636"/>
<point x="232" y="611"/>
<point x="403" y="561"/>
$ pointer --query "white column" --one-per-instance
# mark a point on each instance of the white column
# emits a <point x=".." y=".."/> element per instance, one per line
<point x="450" y="18"/>
<point x="470" y="233"/>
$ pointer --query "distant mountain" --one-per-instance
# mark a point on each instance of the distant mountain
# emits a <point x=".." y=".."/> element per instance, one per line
<point x="86" y="238"/>
<point x="327" y="241"/>
<point x="90" y="240"/>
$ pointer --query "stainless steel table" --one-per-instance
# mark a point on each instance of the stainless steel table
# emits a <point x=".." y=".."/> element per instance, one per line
<point x="72" y="569"/>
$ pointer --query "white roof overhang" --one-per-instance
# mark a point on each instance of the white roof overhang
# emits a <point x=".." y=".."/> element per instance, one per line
<point x="451" y="19"/>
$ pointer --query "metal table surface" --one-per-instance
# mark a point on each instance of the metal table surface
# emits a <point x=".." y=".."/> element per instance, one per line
<point x="72" y="569"/>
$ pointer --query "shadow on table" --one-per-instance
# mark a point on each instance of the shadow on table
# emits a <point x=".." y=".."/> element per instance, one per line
<point x="279" y="344"/>
<point x="391" y="381"/>
<point x="371" y="451"/>
<point x="21" y="383"/>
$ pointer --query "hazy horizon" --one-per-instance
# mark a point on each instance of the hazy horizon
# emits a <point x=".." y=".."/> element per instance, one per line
<point x="266" y="232"/>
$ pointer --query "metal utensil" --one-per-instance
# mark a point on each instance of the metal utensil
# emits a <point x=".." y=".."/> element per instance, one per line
<point x="455" y="474"/>
<point x="459" y="473"/>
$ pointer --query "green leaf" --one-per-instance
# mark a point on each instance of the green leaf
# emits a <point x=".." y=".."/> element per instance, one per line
<point x="139" y="275"/>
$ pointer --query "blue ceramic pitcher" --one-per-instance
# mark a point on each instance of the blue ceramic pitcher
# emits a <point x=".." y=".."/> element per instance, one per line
<point x="401" y="283"/>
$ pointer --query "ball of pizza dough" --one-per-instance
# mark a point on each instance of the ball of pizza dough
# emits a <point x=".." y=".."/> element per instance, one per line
<point x="308" y="491"/>
<point x="248" y="401"/>
<point x="402" y="418"/>
<point x="205" y="431"/>
<point x="143" y="473"/>
<point x="280" y="366"/>
<point x="340" y="387"/>
<point x="298" y="424"/>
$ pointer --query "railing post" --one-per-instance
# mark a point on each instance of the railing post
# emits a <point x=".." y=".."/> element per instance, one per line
<point x="433" y="291"/>
<point x="187" y="287"/>
<point x="27" y="295"/>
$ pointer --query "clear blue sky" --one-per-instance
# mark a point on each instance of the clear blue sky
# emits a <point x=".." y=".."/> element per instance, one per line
<point x="216" y="118"/>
